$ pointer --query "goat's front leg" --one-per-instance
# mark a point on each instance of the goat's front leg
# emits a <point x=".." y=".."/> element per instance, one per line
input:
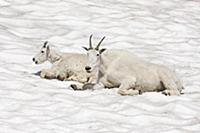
<point x="49" y="73"/>
<point x="78" y="77"/>
<point x="43" y="73"/>
<point x="61" y="76"/>
<point x="106" y="82"/>
<point x="82" y="77"/>
<point x="81" y="87"/>
<point x="77" y="86"/>
<point x="92" y="81"/>
<point x="127" y="87"/>
<point x="72" y="78"/>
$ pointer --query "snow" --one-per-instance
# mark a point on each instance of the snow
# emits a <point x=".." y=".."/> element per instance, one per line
<point x="164" y="32"/>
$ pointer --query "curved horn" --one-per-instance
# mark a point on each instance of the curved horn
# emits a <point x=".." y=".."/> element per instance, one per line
<point x="97" y="48"/>
<point x="45" y="44"/>
<point x="90" y="42"/>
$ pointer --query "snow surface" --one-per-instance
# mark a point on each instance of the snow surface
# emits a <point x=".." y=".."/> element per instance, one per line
<point x="161" y="31"/>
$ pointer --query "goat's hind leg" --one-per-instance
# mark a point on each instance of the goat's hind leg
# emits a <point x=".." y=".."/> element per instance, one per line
<point x="127" y="87"/>
<point x="170" y="85"/>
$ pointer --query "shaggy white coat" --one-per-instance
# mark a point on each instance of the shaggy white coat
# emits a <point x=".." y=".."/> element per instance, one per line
<point x="65" y="66"/>
<point x="119" y="68"/>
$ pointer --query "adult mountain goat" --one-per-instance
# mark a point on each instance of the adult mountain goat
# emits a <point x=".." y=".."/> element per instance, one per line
<point x="65" y="66"/>
<point x="120" y="68"/>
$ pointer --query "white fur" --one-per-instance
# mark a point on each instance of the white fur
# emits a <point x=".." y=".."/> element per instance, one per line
<point x="65" y="66"/>
<point x="119" y="68"/>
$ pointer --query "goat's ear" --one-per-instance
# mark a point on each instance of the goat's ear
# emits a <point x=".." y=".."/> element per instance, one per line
<point x="102" y="50"/>
<point x="48" y="50"/>
<point x="85" y="48"/>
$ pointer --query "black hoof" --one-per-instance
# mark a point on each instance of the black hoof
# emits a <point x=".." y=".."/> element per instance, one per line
<point x="166" y="94"/>
<point x="140" y="92"/>
<point x="74" y="87"/>
<point x="60" y="78"/>
<point x="47" y="77"/>
<point x="88" y="86"/>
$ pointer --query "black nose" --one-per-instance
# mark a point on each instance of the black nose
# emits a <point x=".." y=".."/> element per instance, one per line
<point x="87" y="68"/>
<point x="34" y="59"/>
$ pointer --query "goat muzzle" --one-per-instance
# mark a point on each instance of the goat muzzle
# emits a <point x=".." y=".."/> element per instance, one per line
<point x="87" y="68"/>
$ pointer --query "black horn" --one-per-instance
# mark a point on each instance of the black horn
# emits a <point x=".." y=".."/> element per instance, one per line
<point x="97" y="48"/>
<point x="90" y="42"/>
<point x="45" y="44"/>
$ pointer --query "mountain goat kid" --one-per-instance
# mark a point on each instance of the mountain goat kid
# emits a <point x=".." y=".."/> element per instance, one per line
<point x="66" y="66"/>
<point x="120" y="68"/>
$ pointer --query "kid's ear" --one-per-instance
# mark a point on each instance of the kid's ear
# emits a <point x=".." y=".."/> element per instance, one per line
<point x="48" y="50"/>
<point x="85" y="48"/>
<point x="102" y="50"/>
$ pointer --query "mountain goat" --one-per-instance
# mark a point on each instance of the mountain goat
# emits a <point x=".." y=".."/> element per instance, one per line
<point x="120" y="68"/>
<point x="65" y="66"/>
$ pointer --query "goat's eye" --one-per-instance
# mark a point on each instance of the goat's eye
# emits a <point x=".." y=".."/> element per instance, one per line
<point x="42" y="51"/>
<point x="97" y="54"/>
